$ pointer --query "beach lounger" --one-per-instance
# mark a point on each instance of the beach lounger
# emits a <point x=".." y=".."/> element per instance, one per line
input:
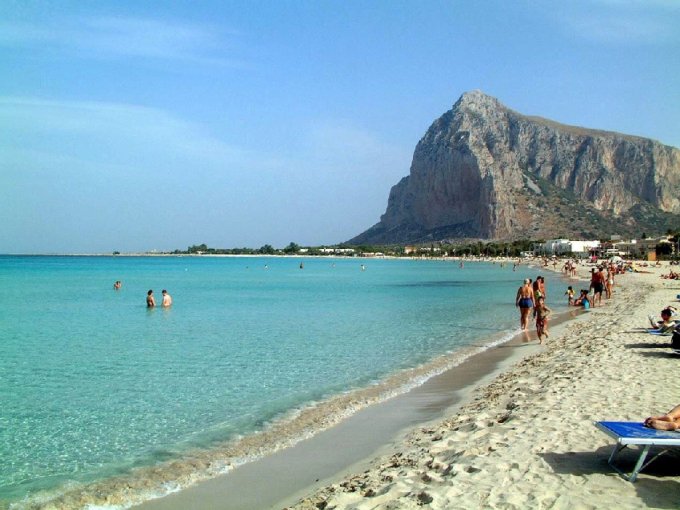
<point x="629" y="433"/>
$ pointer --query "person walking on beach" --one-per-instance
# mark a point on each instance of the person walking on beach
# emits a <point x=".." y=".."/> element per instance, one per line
<point x="570" y="295"/>
<point x="609" y="285"/>
<point x="541" y="313"/>
<point x="597" y="281"/>
<point x="525" y="301"/>
<point x="167" y="299"/>
<point x="150" y="300"/>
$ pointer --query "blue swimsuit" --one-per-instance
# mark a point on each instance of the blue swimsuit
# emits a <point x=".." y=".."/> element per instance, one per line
<point x="525" y="303"/>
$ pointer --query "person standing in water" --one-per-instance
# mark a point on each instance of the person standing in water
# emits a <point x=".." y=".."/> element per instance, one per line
<point x="150" y="300"/>
<point x="167" y="299"/>
<point x="525" y="301"/>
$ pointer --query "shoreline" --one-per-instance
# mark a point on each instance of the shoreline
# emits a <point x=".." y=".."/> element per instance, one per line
<point x="159" y="485"/>
<point x="370" y="431"/>
<point x="449" y="387"/>
<point x="452" y="400"/>
<point x="527" y="439"/>
<point x="195" y="466"/>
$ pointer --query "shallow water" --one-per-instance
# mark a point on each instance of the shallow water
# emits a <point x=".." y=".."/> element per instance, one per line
<point x="92" y="384"/>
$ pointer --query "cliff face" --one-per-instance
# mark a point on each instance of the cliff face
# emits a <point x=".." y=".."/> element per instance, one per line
<point x="485" y="171"/>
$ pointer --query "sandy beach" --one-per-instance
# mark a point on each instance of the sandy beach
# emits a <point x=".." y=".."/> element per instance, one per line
<point x="527" y="439"/>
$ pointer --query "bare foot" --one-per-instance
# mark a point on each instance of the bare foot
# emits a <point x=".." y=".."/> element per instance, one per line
<point x="661" y="425"/>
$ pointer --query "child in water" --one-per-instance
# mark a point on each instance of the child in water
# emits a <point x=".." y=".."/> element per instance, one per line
<point x="542" y="313"/>
<point x="570" y="295"/>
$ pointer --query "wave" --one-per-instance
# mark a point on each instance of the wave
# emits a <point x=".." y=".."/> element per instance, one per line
<point x="151" y="482"/>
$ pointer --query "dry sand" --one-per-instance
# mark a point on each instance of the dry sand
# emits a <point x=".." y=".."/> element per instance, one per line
<point x="527" y="440"/>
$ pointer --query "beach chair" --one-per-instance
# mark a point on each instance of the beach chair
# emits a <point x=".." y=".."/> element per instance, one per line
<point x="629" y="433"/>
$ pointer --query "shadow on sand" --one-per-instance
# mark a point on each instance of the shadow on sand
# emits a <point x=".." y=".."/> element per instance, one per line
<point x="657" y="354"/>
<point x="650" y="485"/>
<point x="645" y="345"/>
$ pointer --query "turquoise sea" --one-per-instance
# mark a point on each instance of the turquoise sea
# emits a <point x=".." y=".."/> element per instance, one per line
<point x="93" y="385"/>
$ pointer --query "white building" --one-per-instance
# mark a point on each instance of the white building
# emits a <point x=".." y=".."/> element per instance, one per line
<point x="565" y="247"/>
<point x="340" y="251"/>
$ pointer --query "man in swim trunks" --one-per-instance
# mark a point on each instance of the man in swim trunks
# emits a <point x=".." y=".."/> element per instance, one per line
<point x="525" y="301"/>
<point x="167" y="299"/>
<point x="597" y="282"/>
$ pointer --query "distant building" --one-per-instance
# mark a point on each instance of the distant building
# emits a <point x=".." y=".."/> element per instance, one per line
<point x="566" y="247"/>
<point x="641" y="248"/>
<point x="337" y="251"/>
<point x="634" y="248"/>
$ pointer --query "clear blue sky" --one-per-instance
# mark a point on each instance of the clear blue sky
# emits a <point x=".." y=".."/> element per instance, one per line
<point x="133" y="126"/>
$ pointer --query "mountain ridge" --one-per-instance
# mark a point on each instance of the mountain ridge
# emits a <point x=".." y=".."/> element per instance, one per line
<point x="483" y="170"/>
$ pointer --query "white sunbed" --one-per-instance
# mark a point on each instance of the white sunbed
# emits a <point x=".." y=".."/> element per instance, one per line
<point x="629" y="433"/>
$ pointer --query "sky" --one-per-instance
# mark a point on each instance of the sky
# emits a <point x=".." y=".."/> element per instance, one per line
<point x="137" y="126"/>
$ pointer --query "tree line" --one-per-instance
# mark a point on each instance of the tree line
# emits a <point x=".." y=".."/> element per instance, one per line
<point x="440" y="248"/>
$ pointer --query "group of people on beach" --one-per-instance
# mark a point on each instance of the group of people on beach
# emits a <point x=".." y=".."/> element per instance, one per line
<point x="600" y="282"/>
<point x="672" y="275"/>
<point x="532" y="296"/>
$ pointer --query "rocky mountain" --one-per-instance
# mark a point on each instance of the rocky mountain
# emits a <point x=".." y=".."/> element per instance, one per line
<point x="484" y="171"/>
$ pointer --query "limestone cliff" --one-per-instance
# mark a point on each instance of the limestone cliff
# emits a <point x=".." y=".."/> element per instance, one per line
<point x="485" y="171"/>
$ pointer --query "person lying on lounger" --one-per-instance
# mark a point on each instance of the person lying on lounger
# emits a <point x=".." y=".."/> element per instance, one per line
<point x="668" y="421"/>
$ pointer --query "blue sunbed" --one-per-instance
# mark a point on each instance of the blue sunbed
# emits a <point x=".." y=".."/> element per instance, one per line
<point x="635" y="433"/>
